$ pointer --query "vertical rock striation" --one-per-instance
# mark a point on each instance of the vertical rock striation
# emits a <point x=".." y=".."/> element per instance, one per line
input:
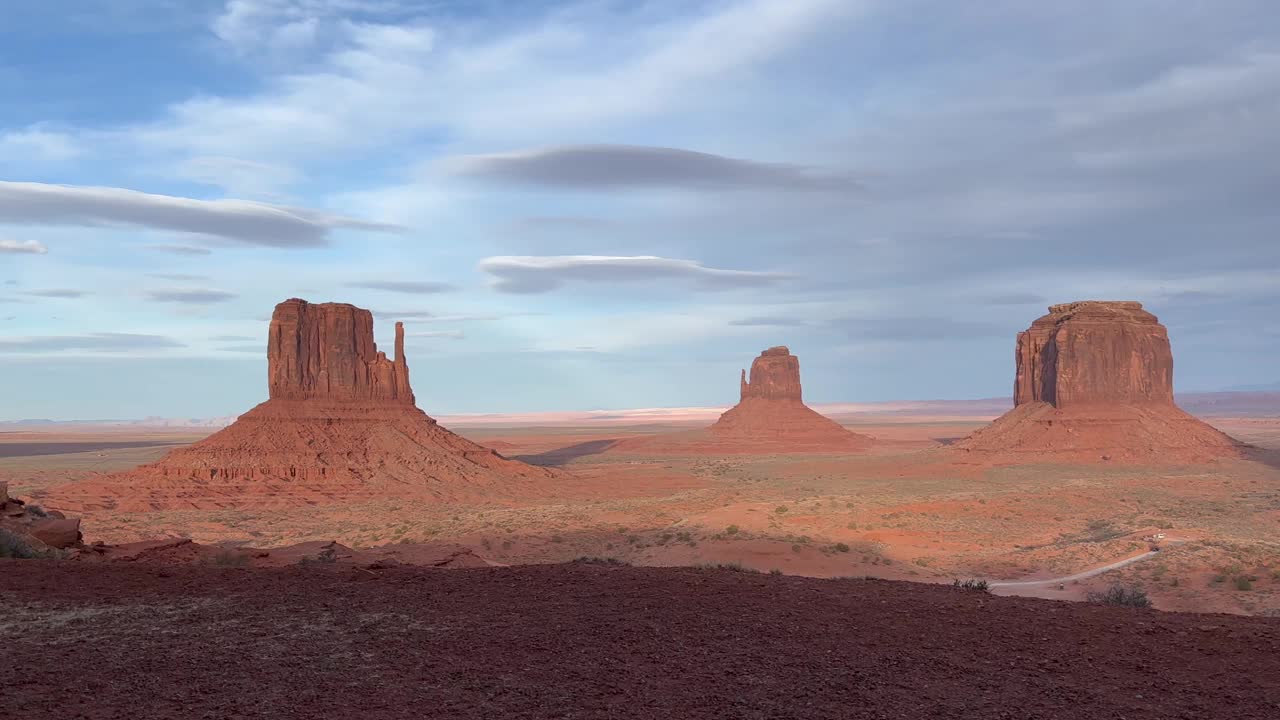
<point x="1094" y="352"/>
<point x="326" y="352"/>
<point x="775" y="375"/>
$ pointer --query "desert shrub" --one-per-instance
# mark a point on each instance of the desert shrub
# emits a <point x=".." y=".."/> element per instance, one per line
<point x="841" y="547"/>
<point x="731" y="566"/>
<point x="557" y="539"/>
<point x="780" y="509"/>
<point x="13" y="545"/>
<point x="1244" y="583"/>
<point x="775" y="571"/>
<point x="229" y="558"/>
<point x="796" y="548"/>
<point x="1130" y="596"/>
<point x="923" y="561"/>
<point x="593" y="560"/>
<point x="326" y="556"/>
<point x="973" y="585"/>
<point x="37" y="511"/>
<point x="731" y="530"/>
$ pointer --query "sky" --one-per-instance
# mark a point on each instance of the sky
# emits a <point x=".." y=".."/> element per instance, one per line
<point x="599" y="204"/>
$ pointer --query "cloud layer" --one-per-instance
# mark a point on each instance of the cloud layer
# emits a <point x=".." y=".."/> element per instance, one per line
<point x="96" y="342"/>
<point x="409" y="287"/>
<point x="538" y="274"/>
<point x="604" y="167"/>
<point x="29" y="247"/>
<point x="241" y="221"/>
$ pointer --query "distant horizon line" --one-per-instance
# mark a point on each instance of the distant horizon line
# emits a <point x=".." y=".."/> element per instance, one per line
<point x="850" y="407"/>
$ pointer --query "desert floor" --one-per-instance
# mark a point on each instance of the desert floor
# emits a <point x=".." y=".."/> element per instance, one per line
<point x="579" y="640"/>
<point x="906" y="511"/>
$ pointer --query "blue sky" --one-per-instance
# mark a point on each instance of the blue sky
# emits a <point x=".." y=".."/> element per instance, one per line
<point x="599" y="204"/>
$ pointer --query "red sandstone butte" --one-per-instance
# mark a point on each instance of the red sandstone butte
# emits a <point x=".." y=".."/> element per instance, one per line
<point x="326" y="352"/>
<point x="340" y="425"/>
<point x="1093" y="351"/>
<point x="1095" y="382"/>
<point x="771" y="411"/>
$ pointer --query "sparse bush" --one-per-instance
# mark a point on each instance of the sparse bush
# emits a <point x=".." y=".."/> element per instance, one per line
<point x="13" y="545"/>
<point x="1244" y="583"/>
<point x="633" y="539"/>
<point x="732" y="566"/>
<point x="973" y="585"/>
<point x="327" y="556"/>
<point x="841" y="547"/>
<point x="731" y="530"/>
<point x="591" y="560"/>
<point x="923" y="561"/>
<point x="780" y="509"/>
<point x="796" y="548"/>
<point x="775" y="571"/>
<point x="37" y="511"/>
<point x="229" y="558"/>
<point x="1131" y="596"/>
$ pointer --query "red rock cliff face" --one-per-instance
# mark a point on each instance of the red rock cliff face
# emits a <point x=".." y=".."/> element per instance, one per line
<point x="326" y="351"/>
<point x="1094" y="352"/>
<point x="775" y="375"/>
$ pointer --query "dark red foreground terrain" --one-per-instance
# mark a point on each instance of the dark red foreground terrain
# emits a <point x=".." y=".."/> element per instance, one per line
<point x="593" y="641"/>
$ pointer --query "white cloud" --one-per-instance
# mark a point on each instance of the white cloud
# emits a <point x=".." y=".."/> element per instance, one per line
<point x="243" y="221"/>
<point x="379" y="84"/>
<point x="23" y="246"/>
<point x="37" y="144"/>
<point x="538" y="274"/>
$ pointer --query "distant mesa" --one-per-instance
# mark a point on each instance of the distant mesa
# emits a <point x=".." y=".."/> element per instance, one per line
<point x="340" y="424"/>
<point x="770" y="417"/>
<point x="1094" y="382"/>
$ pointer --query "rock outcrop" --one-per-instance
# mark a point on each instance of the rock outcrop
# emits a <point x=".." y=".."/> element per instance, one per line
<point x="340" y="425"/>
<point x="775" y="375"/>
<point x="35" y="527"/>
<point x="770" y="417"/>
<point x="326" y="352"/>
<point x="1094" y="352"/>
<point x="1094" y="382"/>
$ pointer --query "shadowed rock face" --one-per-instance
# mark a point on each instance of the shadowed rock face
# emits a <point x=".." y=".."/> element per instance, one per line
<point x="326" y="352"/>
<point x="1094" y="352"/>
<point x="775" y="375"/>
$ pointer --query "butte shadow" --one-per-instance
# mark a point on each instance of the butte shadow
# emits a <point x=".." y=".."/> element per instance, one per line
<point x="1095" y="384"/>
<point x="340" y="425"/>
<point x="770" y="417"/>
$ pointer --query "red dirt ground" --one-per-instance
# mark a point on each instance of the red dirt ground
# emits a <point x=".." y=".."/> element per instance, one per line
<point x="593" y="641"/>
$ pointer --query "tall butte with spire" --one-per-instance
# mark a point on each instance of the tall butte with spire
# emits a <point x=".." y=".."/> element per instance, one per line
<point x="340" y="423"/>
<point x="1094" y="382"/>
<point x="771" y="412"/>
